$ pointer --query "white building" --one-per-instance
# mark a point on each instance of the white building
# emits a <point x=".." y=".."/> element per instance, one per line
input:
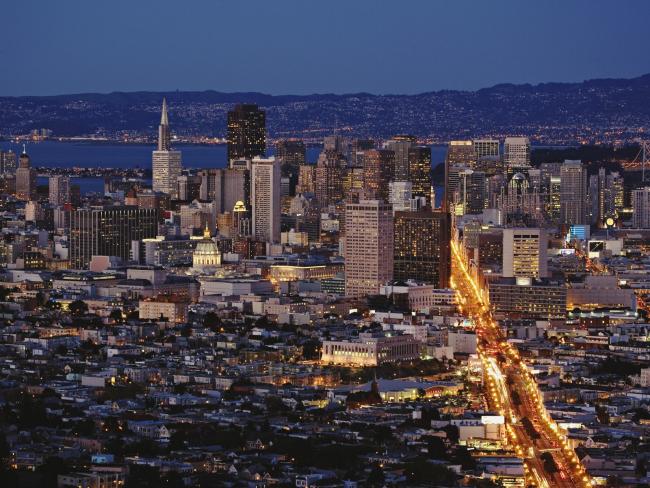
<point x="166" y="164"/>
<point x="371" y="350"/>
<point x="368" y="247"/>
<point x="265" y="199"/>
<point x="516" y="151"/>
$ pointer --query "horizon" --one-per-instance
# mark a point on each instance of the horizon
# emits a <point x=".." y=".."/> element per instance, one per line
<point x="341" y="94"/>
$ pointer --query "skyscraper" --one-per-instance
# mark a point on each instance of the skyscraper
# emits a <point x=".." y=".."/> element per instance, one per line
<point x="421" y="247"/>
<point x="487" y="156"/>
<point x="7" y="162"/>
<point x="460" y="156"/>
<point x="166" y="164"/>
<point x="420" y="172"/>
<point x="246" y="132"/>
<point x="368" y="247"/>
<point x="25" y="178"/>
<point x="59" y="189"/>
<point x="641" y="208"/>
<point x="525" y="253"/>
<point x="108" y="231"/>
<point x="265" y="199"/>
<point x="400" y="145"/>
<point x="573" y="193"/>
<point x="378" y="171"/>
<point x="470" y="195"/>
<point x="516" y="152"/>
<point x="329" y="178"/>
<point x="290" y="151"/>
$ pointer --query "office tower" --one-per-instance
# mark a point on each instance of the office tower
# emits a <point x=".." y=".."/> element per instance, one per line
<point x="486" y="148"/>
<point x="487" y="155"/>
<point x="166" y="164"/>
<point x="470" y="197"/>
<point x="246" y="132"/>
<point x="421" y="247"/>
<point x="641" y="208"/>
<point x="353" y="183"/>
<point x="196" y="216"/>
<point x="329" y="176"/>
<point x="400" y="195"/>
<point x="525" y="253"/>
<point x="335" y="143"/>
<point x="59" y="188"/>
<point x="516" y="152"/>
<point x="554" y="201"/>
<point x="378" y="171"/>
<point x="108" y="231"/>
<point x="400" y="145"/>
<point x="460" y="156"/>
<point x="189" y="187"/>
<point x="291" y="154"/>
<point x="265" y="199"/>
<point x="290" y="151"/>
<point x="520" y="201"/>
<point x="368" y="247"/>
<point x="306" y="179"/>
<point x="606" y="195"/>
<point x="573" y="193"/>
<point x="420" y="172"/>
<point x="25" y="178"/>
<point x="7" y="162"/>
<point x="359" y="146"/>
<point x="225" y="187"/>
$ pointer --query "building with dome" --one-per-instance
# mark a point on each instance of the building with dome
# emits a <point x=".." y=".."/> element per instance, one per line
<point x="206" y="256"/>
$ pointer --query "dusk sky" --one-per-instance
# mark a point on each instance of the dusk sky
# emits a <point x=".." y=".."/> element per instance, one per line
<point x="299" y="46"/>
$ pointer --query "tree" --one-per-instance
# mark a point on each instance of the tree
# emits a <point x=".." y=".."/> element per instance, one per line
<point x="116" y="315"/>
<point x="186" y="331"/>
<point x="78" y="308"/>
<point x="376" y="476"/>
<point x="211" y="320"/>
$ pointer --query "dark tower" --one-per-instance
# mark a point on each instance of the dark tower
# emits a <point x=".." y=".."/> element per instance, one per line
<point x="246" y="132"/>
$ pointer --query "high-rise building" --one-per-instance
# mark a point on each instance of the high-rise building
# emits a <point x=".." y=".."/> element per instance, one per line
<point x="166" y="164"/>
<point x="400" y="195"/>
<point x="460" y="156"/>
<point x="265" y="199"/>
<point x="420" y="172"/>
<point x="7" y="162"/>
<point x="306" y="179"/>
<point x="108" y="231"/>
<point x="488" y="157"/>
<point x="421" y="247"/>
<point x="470" y="195"/>
<point x="554" y="209"/>
<point x="329" y="178"/>
<point x="25" y="178"/>
<point x="59" y="189"/>
<point x="400" y="145"/>
<point x="378" y="171"/>
<point x="225" y="187"/>
<point x="606" y="195"/>
<point x="368" y="247"/>
<point x="246" y="132"/>
<point x="290" y="151"/>
<point x="641" y="208"/>
<point x="525" y="253"/>
<point x="573" y="193"/>
<point x="189" y="187"/>
<point x="516" y="152"/>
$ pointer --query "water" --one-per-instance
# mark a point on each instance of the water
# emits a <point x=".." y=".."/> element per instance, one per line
<point x="55" y="154"/>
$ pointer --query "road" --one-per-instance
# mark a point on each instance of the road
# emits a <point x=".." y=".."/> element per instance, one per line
<point x="511" y="390"/>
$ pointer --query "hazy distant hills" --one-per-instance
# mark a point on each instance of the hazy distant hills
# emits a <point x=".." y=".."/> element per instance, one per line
<point x="595" y="110"/>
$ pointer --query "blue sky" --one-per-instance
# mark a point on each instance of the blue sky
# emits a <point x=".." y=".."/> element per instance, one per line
<point x="308" y="46"/>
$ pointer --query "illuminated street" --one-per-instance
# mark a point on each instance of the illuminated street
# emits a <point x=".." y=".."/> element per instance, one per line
<point x="512" y="391"/>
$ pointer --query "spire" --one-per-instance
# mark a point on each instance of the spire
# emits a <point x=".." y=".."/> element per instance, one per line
<point x="206" y="232"/>
<point x="164" y="118"/>
<point x="24" y="149"/>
